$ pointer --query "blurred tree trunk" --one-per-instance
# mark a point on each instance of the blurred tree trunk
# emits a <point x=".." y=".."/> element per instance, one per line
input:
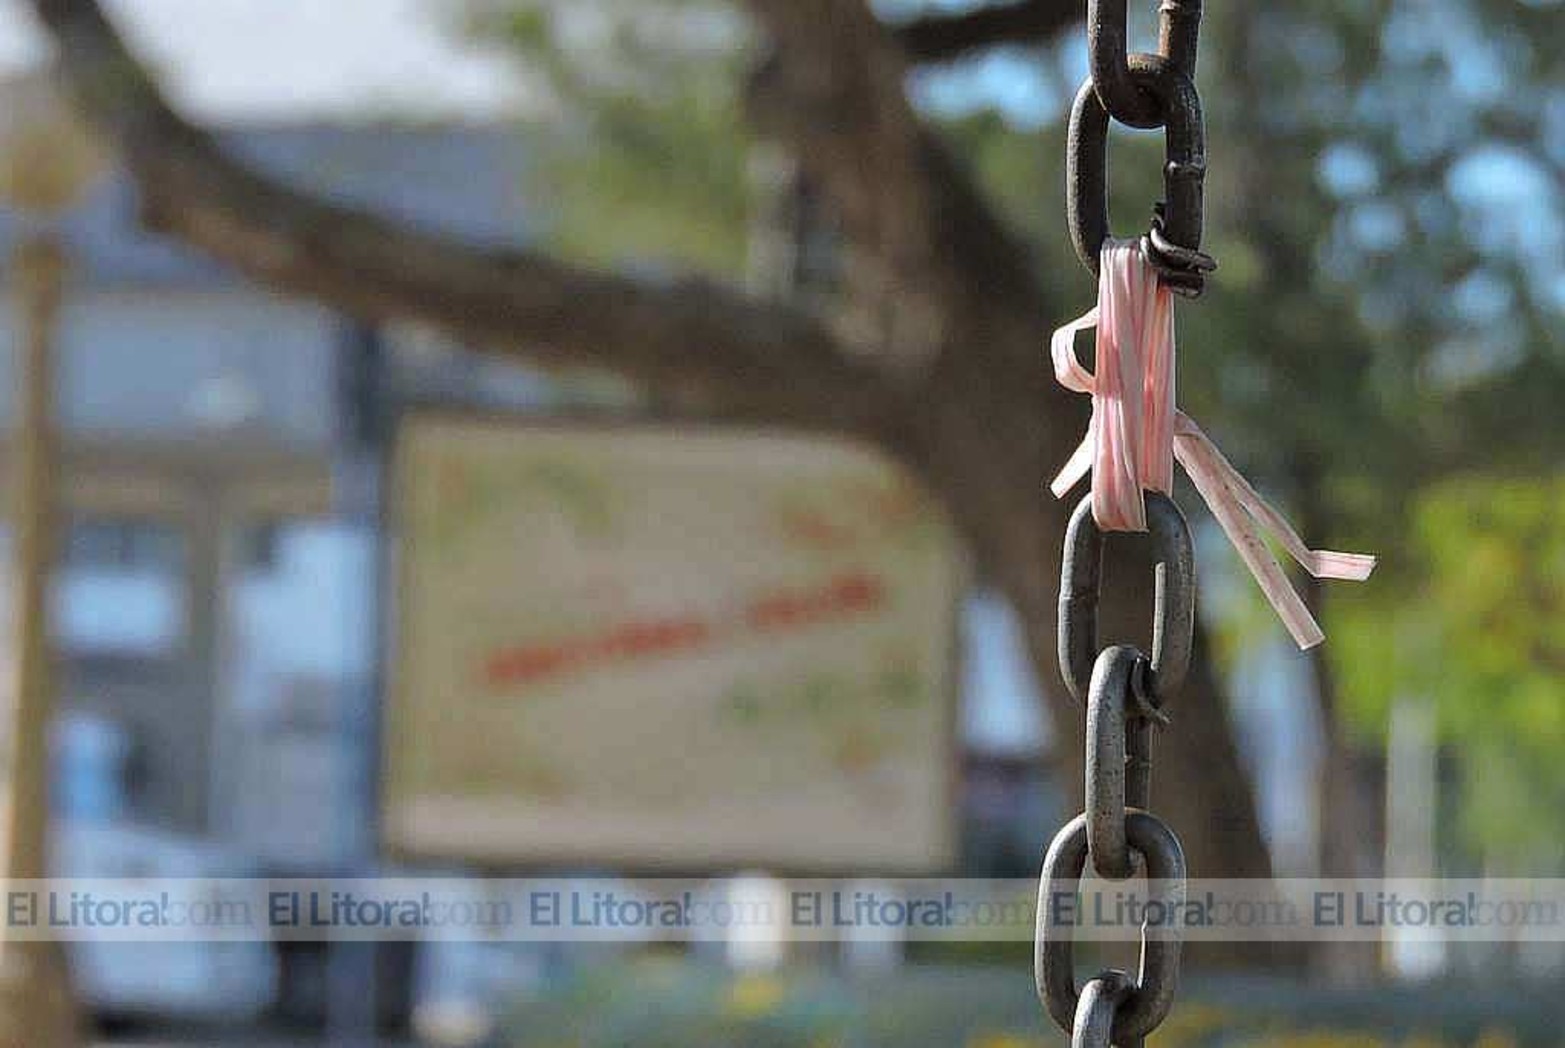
<point x="1346" y="833"/>
<point x="36" y="1008"/>
<point x="953" y="382"/>
<point x="1274" y="188"/>
<point x="966" y="320"/>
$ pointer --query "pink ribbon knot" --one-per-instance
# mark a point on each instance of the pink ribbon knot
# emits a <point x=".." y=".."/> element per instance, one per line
<point x="1136" y="434"/>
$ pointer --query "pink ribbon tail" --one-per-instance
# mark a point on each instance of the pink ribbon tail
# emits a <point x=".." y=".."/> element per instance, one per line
<point x="1244" y="516"/>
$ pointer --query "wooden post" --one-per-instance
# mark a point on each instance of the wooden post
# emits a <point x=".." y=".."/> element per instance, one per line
<point x="36" y="1009"/>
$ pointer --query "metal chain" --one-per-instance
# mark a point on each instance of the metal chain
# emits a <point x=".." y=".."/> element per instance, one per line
<point x="1145" y="91"/>
<point x="1125" y="692"/>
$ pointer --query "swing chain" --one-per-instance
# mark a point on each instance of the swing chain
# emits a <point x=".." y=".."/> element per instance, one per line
<point x="1125" y="690"/>
<point x="1179" y="32"/>
<point x="1144" y="91"/>
<point x="1125" y="694"/>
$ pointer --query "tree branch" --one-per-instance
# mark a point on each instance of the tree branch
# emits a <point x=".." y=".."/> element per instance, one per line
<point x="832" y="89"/>
<point x="701" y="342"/>
<point x="943" y="38"/>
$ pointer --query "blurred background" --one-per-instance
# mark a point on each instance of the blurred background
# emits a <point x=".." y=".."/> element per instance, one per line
<point x="756" y="575"/>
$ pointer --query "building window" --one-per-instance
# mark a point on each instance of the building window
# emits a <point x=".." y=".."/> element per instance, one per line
<point x="121" y="588"/>
<point x="135" y="544"/>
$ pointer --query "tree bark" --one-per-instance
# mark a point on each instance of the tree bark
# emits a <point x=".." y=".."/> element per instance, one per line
<point x="956" y="387"/>
<point x="1344" y="830"/>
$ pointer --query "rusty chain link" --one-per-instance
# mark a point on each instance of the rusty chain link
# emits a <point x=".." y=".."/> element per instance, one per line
<point x="1173" y="621"/>
<point x="1179" y="29"/>
<point x="1145" y="91"/>
<point x="1100" y="1001"/>
<point x="1119" y="755"/>
<point x="1151" y="994"/>
<point x="1125" y="692"/>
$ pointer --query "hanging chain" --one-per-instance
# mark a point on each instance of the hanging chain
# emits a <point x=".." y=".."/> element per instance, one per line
<point x="1125" y="692"/>
<point x="1145" y="91"/>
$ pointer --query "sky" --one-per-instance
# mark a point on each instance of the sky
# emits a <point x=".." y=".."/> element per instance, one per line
<point x="303" y="59"/>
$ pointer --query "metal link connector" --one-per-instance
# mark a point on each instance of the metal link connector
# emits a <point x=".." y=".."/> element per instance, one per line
<point x="1173" y="623"/>
<point x="1180" y="218"/>
<point x="1119" y="757"/>
<point x="1100" y="999"/>
<point x="1108" y="52"/>
<point x="1179" y="32"/>
<point x="1108" y="43"/>
<point x="1146" y="91"/>
<point x="1054" y="951"/>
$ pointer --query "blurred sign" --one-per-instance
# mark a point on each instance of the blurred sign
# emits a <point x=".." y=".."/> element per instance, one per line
<point x="653" y="648"/>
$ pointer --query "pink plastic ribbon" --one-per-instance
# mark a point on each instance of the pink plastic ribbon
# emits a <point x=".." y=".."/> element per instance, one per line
<point x="1137" y="433"/>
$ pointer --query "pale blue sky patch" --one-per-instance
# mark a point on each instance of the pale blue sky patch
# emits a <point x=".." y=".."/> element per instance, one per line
<point x="1511" y="204"/>
<point x="306" y="60"/>
<point x="1349" y="169"/>
<point x="1014" y="81"/>
<point x="1377" y="225"/>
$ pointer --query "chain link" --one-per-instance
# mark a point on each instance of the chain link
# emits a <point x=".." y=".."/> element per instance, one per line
<point x="1125" y="693"/>
<point x="1173" y="621"/>
<point x="1146" y="91"/>
<point x="1179" y="28"/>
<point x="1119" y="758"/>
<point x="1147" y="1004"/>
<point x="1095" y="1012"/>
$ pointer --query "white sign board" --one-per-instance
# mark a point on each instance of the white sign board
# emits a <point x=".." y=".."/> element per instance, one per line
<point x="667" y="649"/>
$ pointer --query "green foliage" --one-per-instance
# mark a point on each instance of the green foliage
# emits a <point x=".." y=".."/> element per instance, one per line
<point x="1478" y="634"/>
<point x="1023" y="172"/>
<point x="643" y="160"/>
<point x="660" y="180"/>
<point x="1398" y="335"/>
